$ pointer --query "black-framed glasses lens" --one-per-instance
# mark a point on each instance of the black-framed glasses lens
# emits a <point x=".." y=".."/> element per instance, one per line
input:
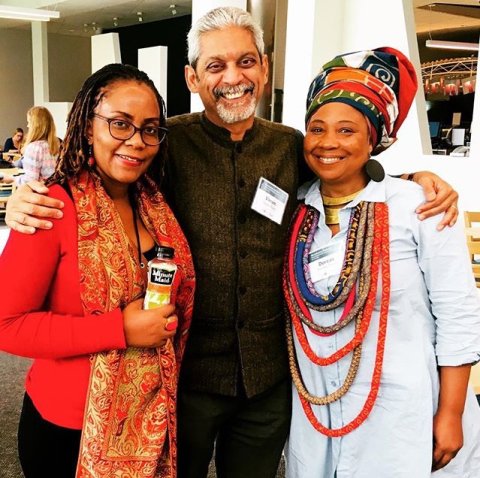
<point x="123" y="130"/>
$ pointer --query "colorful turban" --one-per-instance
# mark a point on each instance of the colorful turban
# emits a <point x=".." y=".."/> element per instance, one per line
<point x="380" y="83"/>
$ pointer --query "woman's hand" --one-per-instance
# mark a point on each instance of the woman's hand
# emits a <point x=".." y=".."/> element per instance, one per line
<point x="440" y="196"/>
<point x="447" y="438"/>
<point x="6" y="178"/>
<point x="148" y="328"/>
<point x="27" y="201"/>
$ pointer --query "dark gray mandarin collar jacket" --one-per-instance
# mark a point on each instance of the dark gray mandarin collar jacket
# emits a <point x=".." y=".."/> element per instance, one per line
<point x="237" y="338"/>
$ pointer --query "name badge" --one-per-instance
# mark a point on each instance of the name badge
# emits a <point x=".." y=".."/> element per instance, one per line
<point x="270" y="201"/>
<point x="325" y="262"/>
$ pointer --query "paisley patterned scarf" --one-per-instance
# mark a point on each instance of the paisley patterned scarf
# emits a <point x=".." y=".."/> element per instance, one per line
<point x="129" y="424"/>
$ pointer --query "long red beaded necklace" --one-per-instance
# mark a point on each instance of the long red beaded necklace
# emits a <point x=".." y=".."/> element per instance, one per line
<point x="380" y="253"/>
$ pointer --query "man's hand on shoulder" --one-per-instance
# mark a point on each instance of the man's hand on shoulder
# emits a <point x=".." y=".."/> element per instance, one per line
<point x="440" y="197"/>
<point x="29" y="206"/>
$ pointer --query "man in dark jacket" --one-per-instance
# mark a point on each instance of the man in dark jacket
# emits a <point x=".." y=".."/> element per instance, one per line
<point x="234" y="386"/>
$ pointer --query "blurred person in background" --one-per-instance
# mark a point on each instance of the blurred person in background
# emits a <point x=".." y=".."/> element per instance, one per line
<point x="41" y="148"/>
<point x="15" y="143"/>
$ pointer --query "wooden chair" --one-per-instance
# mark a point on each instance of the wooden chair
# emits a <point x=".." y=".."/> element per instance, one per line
<point x="472" y="232"/>
<point x="6" y="191"/>
<point x="475" y="378"/>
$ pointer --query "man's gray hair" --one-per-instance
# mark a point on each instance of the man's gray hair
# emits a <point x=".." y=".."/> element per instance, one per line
<point x="220" y="18"/>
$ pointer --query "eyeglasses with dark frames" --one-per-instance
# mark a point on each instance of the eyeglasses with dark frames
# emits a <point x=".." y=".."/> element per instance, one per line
<point x="122" y="129"/>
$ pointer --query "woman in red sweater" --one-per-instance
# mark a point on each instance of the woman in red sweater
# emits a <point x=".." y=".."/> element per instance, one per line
<point x="101" y="393"/>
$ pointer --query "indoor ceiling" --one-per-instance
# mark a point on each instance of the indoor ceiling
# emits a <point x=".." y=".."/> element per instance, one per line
<point x="438" y="15"/>
<point x="87" y="17"/>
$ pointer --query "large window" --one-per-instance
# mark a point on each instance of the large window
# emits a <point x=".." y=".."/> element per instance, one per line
<point x="448" y="37"/>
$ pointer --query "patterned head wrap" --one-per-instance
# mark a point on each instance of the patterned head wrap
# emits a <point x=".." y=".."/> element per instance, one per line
<point x="380" y="83"/>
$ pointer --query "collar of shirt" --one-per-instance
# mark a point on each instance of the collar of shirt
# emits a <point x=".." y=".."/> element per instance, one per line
<point x="222" y="136"/>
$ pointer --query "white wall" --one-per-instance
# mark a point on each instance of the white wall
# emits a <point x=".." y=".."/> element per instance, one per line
<point x="105" y="49"/>
<point x="16" y="91"/>
<point x="59" y="112"/>
<point x="314" y="35"/>
<point x="69" y="59"/>
<point x="69" y="65"/>
<point x="154" y="62"/>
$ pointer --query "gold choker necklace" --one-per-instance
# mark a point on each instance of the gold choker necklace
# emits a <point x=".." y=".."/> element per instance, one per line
<point x="329" y="201"/>
<point x="332" y="215"/>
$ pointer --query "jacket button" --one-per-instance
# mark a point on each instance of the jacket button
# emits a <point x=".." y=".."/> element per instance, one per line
<point x="242" y="219"/>
<point x="242" y="289"/>
<point x="240" y="324"/>
<point x="243" y="253"/>
<point x="241" y="182"/>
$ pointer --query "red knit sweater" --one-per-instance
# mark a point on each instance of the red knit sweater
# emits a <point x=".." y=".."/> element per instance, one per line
<point x="41" y="317"/>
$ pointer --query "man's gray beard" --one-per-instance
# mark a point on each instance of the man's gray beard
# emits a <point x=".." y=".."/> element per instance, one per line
<point x="234" y="115"/>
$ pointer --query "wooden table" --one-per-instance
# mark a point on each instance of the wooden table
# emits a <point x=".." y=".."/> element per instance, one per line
<point x="11" y="171"/>
<point x="6" y="191"/>
<point x="11" y="156"/>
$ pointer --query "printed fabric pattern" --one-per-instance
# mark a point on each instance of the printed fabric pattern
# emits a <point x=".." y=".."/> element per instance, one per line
<point x="129" y="425"/>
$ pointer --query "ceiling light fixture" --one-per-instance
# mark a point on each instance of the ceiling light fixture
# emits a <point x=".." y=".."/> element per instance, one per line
<point x="115" y="21"/>
<point x="97" y="29"/>
<point x="451" y="45"/>
<point x="28" y="14"/>
<point x="140" y="16"/>
<point x="173" y="9"/>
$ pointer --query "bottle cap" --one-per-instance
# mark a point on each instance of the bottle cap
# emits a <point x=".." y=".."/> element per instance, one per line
<point x="164" y="252"/>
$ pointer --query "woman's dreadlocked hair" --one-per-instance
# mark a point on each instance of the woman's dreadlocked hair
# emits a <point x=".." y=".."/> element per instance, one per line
<point x="75" y="148"/>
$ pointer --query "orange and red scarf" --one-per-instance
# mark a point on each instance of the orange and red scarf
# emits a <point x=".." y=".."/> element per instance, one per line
<point x="129" y="424"/>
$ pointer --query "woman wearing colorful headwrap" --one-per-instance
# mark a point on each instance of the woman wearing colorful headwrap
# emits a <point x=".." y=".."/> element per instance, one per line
<point x="384" y="314"/>
<point x="100" y="397"/>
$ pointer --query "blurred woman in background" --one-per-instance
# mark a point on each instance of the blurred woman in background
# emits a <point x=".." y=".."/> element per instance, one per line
<point x="41" y="148"/>
<point x="15" y="143"/>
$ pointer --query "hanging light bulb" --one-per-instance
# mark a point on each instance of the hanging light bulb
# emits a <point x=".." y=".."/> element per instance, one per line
<point x="96" y="28"/>
<point x="140" y="16"/>
<point x="173" y="9"/>
<point x="115" y="21"/>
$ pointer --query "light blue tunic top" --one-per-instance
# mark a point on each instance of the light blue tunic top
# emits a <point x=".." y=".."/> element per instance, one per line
<point x="434" y="319"/>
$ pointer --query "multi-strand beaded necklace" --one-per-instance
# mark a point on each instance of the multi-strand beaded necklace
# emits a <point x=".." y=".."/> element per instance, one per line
<point x="367" y="247"/>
